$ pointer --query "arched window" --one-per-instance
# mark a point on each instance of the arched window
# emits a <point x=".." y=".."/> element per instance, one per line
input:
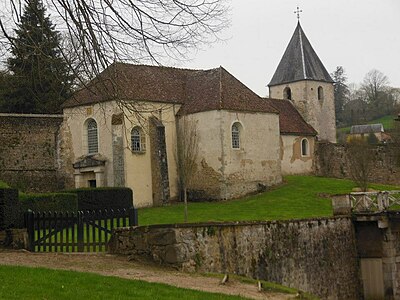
<point x="304" y="147"/>
<point x="92" y="137"/>
<point x="320" y="93"/>
<point x="236" y="135"/>
<point x="138" y="140"/>
<point x="287" y="93"/>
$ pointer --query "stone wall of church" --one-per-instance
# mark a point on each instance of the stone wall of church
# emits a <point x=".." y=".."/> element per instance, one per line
<point x="319" y="113"/>
<point x="292" y="160"/>
<point x="137" y="171"/>
<point x="224" y="172"/>
<point x="35" y="152"/>
<point x="316" y="255"/>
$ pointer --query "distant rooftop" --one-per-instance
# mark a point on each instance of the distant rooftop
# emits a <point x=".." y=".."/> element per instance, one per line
<point x="369" y="128"/>
<point x="300" y="62"/>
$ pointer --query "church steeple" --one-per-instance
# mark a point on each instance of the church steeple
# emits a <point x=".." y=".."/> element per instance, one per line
<point x="300" y="62"/>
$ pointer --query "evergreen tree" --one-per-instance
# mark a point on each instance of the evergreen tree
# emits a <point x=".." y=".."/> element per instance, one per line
<point x="39" y="80"/>
<point x="341" y="92"/>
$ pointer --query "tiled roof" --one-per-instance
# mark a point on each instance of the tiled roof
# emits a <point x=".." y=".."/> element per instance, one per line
<point x="368" y="128"/>
<point x="290" y="120"/>
<point x="218" y="89"/>
<point x="197" y="90"/>
<point x="299" y="62"/>
<point x="133" y="82"/>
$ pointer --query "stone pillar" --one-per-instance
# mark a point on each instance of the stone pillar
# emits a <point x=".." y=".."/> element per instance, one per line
<point x="389" y="263"/>
<point x="78" y="177"/>
<point x="99" y="178"/>
<point x="341" y="205"/>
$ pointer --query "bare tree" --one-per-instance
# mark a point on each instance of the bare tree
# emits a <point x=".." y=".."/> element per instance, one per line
<point x="374" y="85"/>
<point x="187" y="154"/>
<point x="360" y="160"/>
<point x="146" y="31"/>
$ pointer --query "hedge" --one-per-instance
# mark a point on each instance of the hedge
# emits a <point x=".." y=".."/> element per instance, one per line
<point x="104" y="198"/>
<point x="11" y="215"/>
<point x="49" y="202"/>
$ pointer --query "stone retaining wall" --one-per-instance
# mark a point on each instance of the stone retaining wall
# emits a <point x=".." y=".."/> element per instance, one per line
<point x="331" y="161"/>
<point x="318" y="256"/>
<point x="14" y="239"/>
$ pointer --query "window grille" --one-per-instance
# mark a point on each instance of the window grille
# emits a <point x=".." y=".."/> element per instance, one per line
<point x="138" y="140"/>
<point x="235" y="136"/>
<point x="92" y="137"/>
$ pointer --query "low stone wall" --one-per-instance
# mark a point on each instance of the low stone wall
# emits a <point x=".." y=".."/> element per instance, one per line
<point x="331" y="161"/>
<point x="318" y="255"/>
<point x="14" y="239"/>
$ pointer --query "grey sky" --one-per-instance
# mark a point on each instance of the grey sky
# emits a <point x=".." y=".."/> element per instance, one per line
<point x="360" y="35"/>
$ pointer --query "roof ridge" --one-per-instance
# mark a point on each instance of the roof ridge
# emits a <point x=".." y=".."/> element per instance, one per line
<point x="302" y="51"/>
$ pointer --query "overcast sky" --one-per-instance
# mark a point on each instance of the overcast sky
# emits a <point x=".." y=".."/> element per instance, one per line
<point x="359" y="35"/>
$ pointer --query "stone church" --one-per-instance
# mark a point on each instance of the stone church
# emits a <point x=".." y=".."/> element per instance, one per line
<point x="123" y="127"/>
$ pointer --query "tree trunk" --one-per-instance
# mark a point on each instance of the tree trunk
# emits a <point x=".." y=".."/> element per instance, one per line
<point x="185" y="204"/>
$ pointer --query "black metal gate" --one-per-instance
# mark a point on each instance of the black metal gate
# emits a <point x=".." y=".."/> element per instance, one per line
<point x="83" y="231"/>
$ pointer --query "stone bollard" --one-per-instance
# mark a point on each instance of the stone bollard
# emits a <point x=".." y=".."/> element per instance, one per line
<point x="341" y="205"/>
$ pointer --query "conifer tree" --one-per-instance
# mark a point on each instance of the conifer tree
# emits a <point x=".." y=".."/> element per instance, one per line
<point x="39" y="80"/>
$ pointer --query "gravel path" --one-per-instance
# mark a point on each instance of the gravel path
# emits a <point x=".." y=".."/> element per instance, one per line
<point x="119" y="266"/>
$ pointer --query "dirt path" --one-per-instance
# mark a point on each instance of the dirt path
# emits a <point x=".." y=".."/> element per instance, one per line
<point x="119" y="266"/>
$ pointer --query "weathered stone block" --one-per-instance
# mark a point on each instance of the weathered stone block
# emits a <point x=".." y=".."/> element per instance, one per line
<point x="341" y="205"/>
<point x="161" y="237"/>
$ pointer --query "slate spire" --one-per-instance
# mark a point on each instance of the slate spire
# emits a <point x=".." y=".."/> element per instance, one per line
<point x="299" y="62"/>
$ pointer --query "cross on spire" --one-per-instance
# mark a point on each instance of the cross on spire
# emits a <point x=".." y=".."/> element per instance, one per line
<point x="298" y="11"/>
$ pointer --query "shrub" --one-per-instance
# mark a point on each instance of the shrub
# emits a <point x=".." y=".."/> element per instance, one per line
<point x="104" y="198"/>
<point x="11" y="215"/>
<point x="49" y="202"/>
<point x="3" y="185"/>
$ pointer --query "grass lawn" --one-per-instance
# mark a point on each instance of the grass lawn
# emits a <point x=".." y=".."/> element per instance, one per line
<point x="39" y="283"/>
<point x="386" y="121"/>
<point x="299" y="197"/>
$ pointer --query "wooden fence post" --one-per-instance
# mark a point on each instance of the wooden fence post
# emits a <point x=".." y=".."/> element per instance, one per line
<point x="80" y="231"/>
<point x="133" y="217"/>
<point x="30" y="226"/>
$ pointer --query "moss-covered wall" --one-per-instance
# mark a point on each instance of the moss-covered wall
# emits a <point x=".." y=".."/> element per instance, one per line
<point x="33" y="152"/>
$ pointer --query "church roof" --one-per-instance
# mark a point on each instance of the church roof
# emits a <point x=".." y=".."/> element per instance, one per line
<point x="290" y="120"/>
<point x="299" y="62"/>
<point x="196" y="90"/>
<point x="218" y="89"/>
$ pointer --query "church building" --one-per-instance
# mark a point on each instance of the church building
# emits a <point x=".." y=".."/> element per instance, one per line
<point x="124" y="127"/>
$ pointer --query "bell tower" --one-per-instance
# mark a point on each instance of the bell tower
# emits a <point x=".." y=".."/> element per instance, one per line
<point x="302" y="78"/>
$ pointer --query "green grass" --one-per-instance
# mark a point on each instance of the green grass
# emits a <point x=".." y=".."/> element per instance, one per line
<point x="300" y="197"/>
<point x="386" y="121"/>
<point x="267" y="286"/>
<point x="39" y="283"/>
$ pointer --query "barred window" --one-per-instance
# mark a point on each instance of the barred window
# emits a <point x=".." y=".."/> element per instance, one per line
<point x="138" y="140"/>
<point x="304" y="147"/>
<point x="236" y="136"/>
<point x="92" y="137"/>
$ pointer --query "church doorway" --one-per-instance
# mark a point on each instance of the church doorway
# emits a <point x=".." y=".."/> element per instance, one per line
<point x="92" y="183"/>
